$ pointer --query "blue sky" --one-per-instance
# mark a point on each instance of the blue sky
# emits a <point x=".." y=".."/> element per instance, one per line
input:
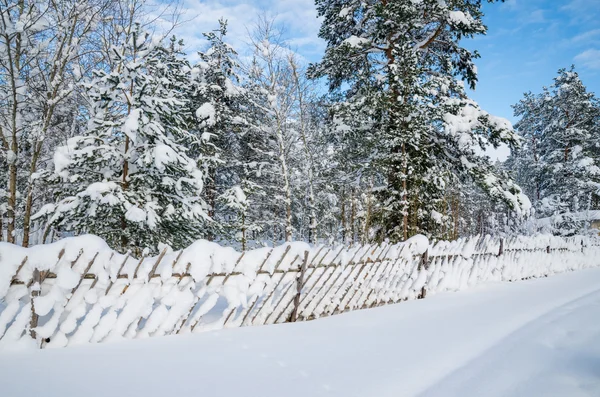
<point x="527" y="41"/>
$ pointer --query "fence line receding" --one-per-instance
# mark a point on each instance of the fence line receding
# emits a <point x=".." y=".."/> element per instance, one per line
<point x="77" y="290"/>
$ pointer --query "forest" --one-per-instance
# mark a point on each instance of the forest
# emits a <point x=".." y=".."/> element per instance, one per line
<point x="110" y="125"/>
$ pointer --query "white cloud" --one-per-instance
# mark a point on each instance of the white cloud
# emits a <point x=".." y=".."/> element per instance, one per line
<point x="299" y="17"/>
<point x="589" y="59"/>
<point x="586" y="36"/>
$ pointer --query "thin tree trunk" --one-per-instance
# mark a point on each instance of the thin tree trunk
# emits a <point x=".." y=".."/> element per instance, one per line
<point x="456" y="216"/>
<point x="312" y="217"/>
<point x="14" y="70"/>
<point x="343" y="216"/>
<point x="352" y="215"/>
<point x="59" y="66"/>
<point x="404" y="193"/>
<point x="243" y="232"/>
<point x="286" y="182"/>
<point x="368" y="215"/>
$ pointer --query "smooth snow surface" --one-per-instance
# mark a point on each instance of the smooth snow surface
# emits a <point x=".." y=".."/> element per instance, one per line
<point x="531" y="338"/>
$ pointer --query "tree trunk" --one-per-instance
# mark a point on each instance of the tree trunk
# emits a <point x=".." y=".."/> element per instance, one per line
<point x="352" y="215"/>
<point x="243" y="232"/>
<point x="343" y="215"/>
<point x="368" y="215"/>
<point x="29" y="200"/>
<point x="404" y="193"/>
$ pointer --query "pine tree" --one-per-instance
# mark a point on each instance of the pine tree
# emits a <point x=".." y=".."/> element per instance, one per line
<point x="399" y="65"/>
<point x="216" y="101"/>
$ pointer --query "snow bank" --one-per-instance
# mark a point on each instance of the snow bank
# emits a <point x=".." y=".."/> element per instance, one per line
<point x="88" y="293"/>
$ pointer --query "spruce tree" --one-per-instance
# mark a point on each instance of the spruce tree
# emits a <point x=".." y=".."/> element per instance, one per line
<point x="560" y="159"/>
<point x="128" y="178"/>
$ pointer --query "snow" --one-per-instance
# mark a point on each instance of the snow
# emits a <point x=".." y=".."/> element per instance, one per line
<point x="226" y="288"/>
<point x="135" y="214"/>
<point x="131" y="124"/>
<point x="163" y="155"/>
<point x="459" y="17"/>
<point x="532" y="338"/>
<point x="356" y="42"/>
<point x="206" y="114"/>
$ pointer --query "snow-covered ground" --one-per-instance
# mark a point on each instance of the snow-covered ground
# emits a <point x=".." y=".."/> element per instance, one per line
<point x="531" y="338"/>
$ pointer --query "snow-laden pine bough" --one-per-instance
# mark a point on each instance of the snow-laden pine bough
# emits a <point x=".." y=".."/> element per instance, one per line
<point x="78" y="290"/>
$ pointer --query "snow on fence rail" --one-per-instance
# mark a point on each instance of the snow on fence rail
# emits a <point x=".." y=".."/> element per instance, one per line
<point x="78" y="290"/>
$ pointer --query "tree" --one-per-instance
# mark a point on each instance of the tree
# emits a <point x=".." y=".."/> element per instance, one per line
<point x="400" y="66"/>
<point x="129" y="178"/>
<point x="559" y="162"/>
<point x="41" y="45"/>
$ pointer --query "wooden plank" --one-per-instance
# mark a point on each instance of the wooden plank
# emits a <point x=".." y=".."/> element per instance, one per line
<point x="316" y="283"/>
<point x="250" y="307"/>
<point x="15" y="277"/>
<point x="271" y="295"/>
<point x="300" y="285"/>
<point x="160" y="257"/>
<point x="83" y="274"/>
<point x="35" y="282"/>
<point x="362" y="268"/>
<point x="313" y="272"/>
<point x="118" y="272"/>
<point x="337" y="278"/>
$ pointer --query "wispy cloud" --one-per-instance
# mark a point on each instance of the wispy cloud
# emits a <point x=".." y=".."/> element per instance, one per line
<point x="298" y="16"/>
<point x="589" y="58"/>
<point x="586" y="36"/>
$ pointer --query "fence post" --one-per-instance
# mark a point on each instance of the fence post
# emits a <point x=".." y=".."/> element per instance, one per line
<point x="36" y="288"/>
<point x="299" y="285"/>
<point x="501" y="249"/>
<point x="548" y="249"/>
<point x="424" y="265"/>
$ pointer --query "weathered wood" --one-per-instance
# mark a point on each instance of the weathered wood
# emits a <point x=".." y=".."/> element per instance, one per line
<point x="15" y="277"/>
<point x="137" y="268"/>
<point x="388" y="264"/>
<point x="424" y="265"/>
<point x="232" y="311"/>
<point x="308" y="293"/>
<point x="160" y="257"/>
<point x="35" y="292"/>
<point x="362" y="268"/>
<point x="374" y="274"/>
<point x="300" y="285"/>
<point x="280" y="313"/>
<point x="282" y="295"/>
<point x="87" y="269"/>
<point x="250" y="307"/>
<point x="262" y="305"/>
<point x="501" y="249"/>
<point x="394" y="271"/>
<point x="110" y="284"/>
<point x="339" y="276"/>
<point x="314" y="270"/>
<point x="378" y="261"/>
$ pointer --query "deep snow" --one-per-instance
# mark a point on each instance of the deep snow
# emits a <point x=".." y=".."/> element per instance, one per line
<point x="537" y="337"/>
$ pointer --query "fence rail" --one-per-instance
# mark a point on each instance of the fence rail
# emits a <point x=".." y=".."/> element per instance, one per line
<point x="77" y="290"/>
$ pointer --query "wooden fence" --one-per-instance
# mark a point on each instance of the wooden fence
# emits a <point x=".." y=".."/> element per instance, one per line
<point x="79" y="291"/>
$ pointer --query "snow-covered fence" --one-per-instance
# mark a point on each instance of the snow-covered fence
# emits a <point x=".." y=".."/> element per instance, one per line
<point x="77" y="290"/>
